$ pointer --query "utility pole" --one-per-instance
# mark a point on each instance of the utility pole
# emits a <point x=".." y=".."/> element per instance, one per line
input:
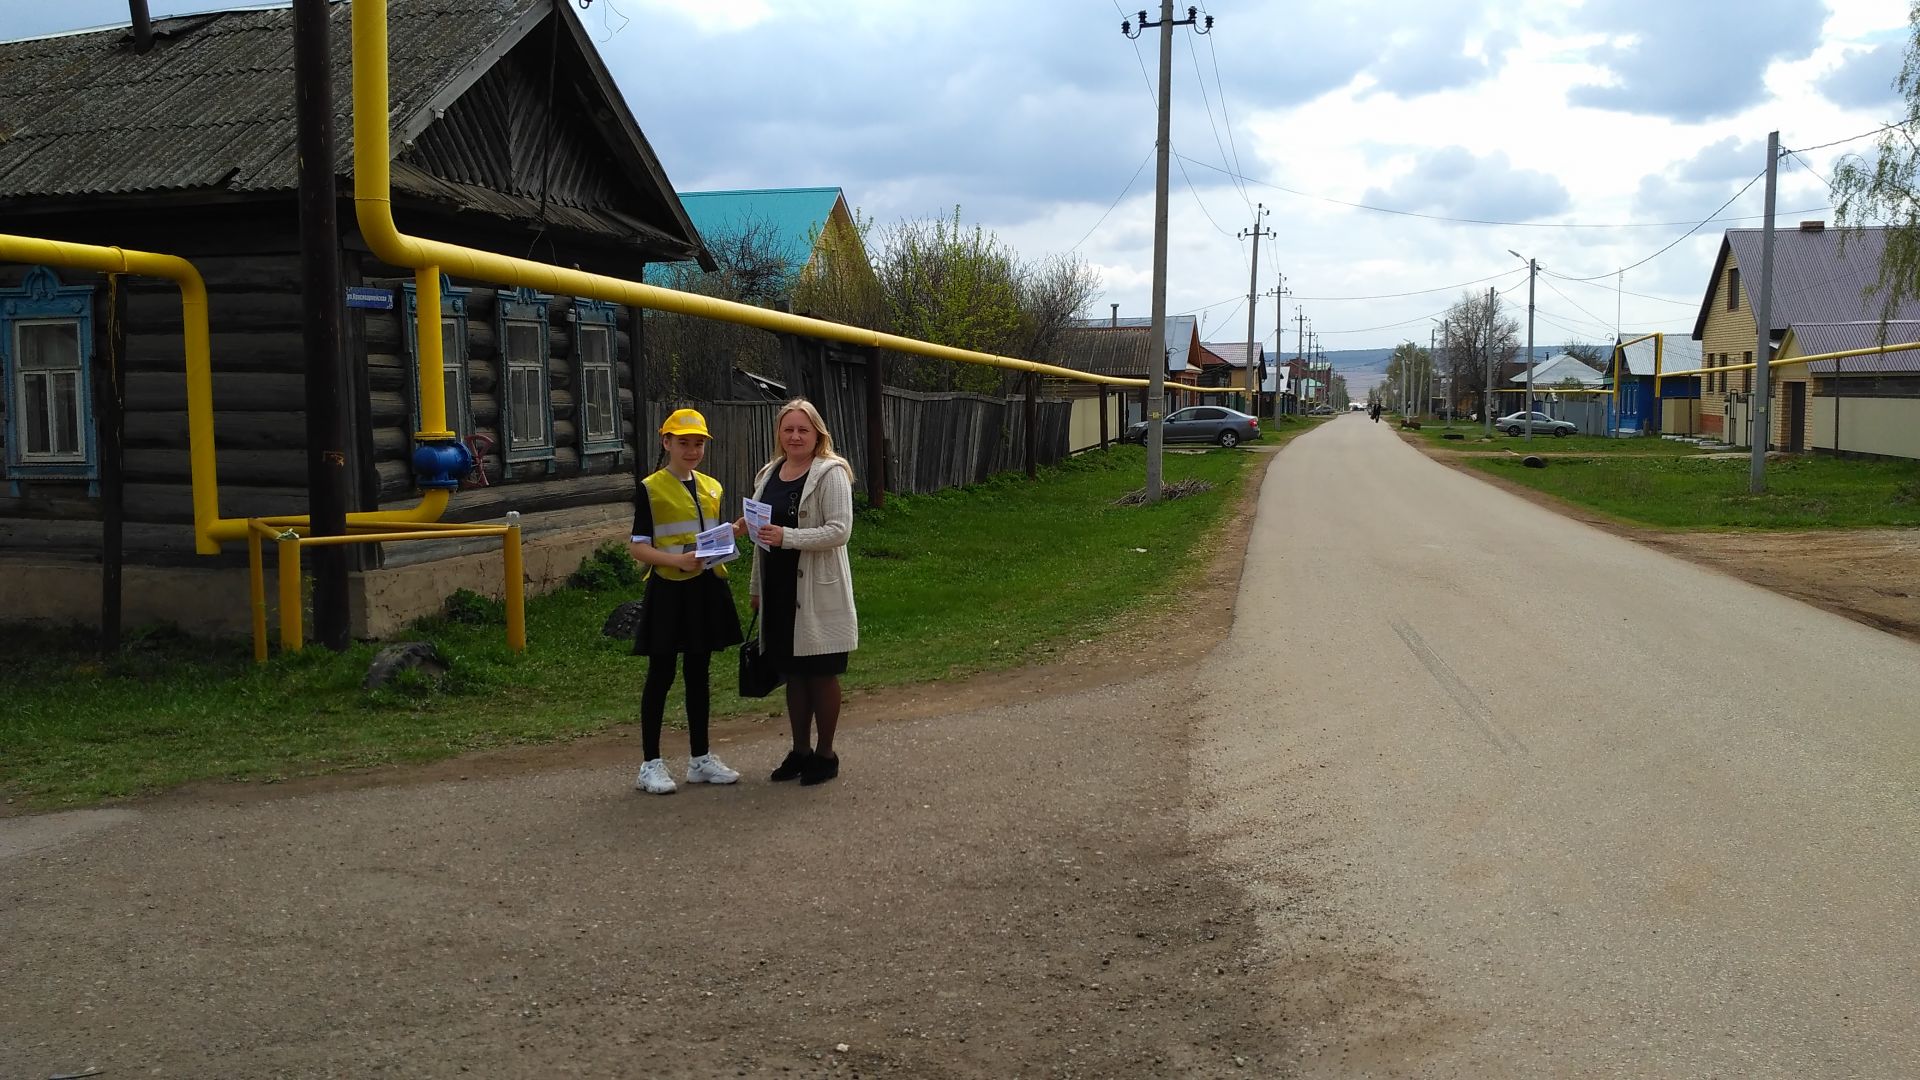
<point x="321" y="317"/>
<point x="1762" y="405"/>
<point x="1163" y="145"/>
<point x="1533" y="272"/>
<point x="1486" y="398"/>
<point x="1253" y="286"/>
<point x="1280" y="293"/>
<point x="1300" y="346"/>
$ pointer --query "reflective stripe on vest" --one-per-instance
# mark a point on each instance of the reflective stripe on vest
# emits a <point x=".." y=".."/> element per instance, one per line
<point x="677" y="521"/>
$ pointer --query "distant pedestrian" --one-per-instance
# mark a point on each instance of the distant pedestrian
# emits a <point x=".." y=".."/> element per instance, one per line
<point x="803" y="585"/>
<point x="687" y="614"/>
<point x="1376" y="412"/>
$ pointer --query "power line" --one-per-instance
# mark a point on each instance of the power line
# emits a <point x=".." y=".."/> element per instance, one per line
<point x="1597" y="284"/>
<point x="1116" y="199"/>
<point x="1416" y="292"/>
<point x="1853" y="138"/>
<point x="1598" y="321"/>
<point x="1200" y="78"/>
<point x="1475" y="221"/>
<point x="1682" y="236"/>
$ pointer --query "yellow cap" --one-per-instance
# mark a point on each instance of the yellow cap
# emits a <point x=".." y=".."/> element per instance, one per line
<point x="685" y="422"/>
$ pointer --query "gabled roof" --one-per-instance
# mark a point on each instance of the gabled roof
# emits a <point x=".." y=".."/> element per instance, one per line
<point x="1813" y="280"/>
<point x="1676" y="354"/>
<point x="1104" y="349"/>
<point x="794" y="218"/>
<point x="1813" y="338"/>
<point x="208" y="112"/>
<point x="1560" y="367"/>
<point x="1233" y="352"/>
<point x="1182" y="331"/>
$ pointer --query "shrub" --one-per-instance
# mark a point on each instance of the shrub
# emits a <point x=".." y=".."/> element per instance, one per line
<point x="610" y="567"/>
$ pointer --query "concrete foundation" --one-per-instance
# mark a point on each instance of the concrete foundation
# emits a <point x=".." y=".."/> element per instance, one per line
<point x="213" y="602"/>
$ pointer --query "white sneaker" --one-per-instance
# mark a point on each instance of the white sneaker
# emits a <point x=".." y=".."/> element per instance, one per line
<point x="654" y="778"/>
<point x="707" y="769"/>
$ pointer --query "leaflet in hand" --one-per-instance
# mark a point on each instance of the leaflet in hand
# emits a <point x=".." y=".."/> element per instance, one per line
<point x="757" y="514"/>
<point x="715" y="546"/>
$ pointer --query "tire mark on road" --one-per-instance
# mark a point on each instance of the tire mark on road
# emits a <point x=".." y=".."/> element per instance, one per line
<point x="1463" y="695"/>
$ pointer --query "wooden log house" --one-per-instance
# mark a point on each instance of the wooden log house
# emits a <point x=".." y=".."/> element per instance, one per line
<point x="509" y="135"/>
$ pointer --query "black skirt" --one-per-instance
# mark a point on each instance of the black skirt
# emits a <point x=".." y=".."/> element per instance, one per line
<point x="692" y="615"/>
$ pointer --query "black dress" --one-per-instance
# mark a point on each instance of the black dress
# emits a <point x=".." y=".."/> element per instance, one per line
<point x="689" y="616"/>
<point x="779" y="587"/>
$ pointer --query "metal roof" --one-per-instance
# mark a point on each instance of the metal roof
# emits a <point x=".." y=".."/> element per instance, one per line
<point x="794" y="218"/>
<point x="1677" y="353"/>
<point x="1560" y="367"/>
<point x="1813" y="338"/>
<point x="1233" y="352"/>
<point x="1814" y="280"/>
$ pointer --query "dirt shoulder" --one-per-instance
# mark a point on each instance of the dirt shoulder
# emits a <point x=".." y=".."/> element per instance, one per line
<point x="1871" y="576"/>
<point x="1001" y="883"/>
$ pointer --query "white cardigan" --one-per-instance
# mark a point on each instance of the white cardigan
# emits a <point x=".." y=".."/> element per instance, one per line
<point x="825" y="621"/>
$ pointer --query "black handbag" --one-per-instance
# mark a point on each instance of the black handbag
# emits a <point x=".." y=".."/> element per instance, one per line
<point x="758" y="676"/>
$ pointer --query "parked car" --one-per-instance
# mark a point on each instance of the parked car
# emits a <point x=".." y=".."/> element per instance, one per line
<point x="1202" y="423"/>
<point x="1320" y="410"/>
<point x="1516" y="424"/>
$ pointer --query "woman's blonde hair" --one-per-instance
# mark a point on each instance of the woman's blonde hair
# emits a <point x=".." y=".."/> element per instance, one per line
<point x="822" y="447"/>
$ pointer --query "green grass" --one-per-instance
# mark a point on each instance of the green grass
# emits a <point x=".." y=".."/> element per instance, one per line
<point x="1435" y="432"/>
<point x="962" y="581"/>
<point x="1711" y="493"/>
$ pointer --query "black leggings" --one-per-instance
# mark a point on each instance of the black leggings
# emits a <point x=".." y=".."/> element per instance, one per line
<point x="653" y="701"/>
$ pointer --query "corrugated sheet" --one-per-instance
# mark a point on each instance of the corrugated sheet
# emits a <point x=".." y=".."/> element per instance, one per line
<point x="1107" y="350"/>
<point x="1181" y="331"/>
<point x="1677" y="353"/>
<point x="1233" y="352"/>
<point x="792" y="217"/>
<point x="1813" y="279"/>
<point x="211" y="104"/>
<point x="1813" y="338"/>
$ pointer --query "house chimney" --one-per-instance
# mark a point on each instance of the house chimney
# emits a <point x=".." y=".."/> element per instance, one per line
<point x="1114" y="319"/>
<point x="1813" y="226"/>
<point x="142" y="26"/>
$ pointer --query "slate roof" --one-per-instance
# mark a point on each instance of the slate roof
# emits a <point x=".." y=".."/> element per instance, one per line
<point x="1812" y="338"/>
<point x="1103" y="349"/>
<point x="1813" y="280"/>
<point x="1233" y="352"/>
<point x="1181" y="330"/>
<point x="209" y="109"/>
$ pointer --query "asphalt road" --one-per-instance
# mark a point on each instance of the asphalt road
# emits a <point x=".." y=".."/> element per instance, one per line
<point x="1537" y="801"/>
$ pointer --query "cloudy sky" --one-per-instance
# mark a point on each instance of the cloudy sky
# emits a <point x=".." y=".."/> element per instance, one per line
<point x="1401" y="147"/>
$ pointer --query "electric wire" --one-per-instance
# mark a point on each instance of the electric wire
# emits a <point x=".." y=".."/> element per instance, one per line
<point x="1682" y="236"/>
<point x="1200" y="79"/>
<point x="1854" y="138"/>
<point x="1116" y="201"/>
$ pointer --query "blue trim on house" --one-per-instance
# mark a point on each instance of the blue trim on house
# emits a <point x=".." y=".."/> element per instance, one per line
<point x="597" y="313"/>
<point x="41" y="297"/>
<point x="524" y="305"/>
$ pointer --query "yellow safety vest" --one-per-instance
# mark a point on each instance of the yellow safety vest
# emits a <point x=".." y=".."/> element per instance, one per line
<point x="676" y="521"/>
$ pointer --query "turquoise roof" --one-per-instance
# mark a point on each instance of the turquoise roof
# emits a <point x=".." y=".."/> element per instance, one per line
<point x="794" y="216"/>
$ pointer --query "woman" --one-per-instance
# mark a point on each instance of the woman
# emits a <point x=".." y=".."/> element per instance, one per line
<point x="802" y="585"/>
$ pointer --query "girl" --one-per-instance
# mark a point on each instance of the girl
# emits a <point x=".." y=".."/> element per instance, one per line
<point x="688" y="608"/>
<point x="802" y="585"/>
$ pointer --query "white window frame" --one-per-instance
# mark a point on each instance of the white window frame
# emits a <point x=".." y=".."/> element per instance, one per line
<point x="597" y="318"/>
<point x="521" y="309"/>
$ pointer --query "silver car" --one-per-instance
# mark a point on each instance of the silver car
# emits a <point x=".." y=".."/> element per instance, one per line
<point x="1202" y="423"/>
<point x="1516" y="424"/>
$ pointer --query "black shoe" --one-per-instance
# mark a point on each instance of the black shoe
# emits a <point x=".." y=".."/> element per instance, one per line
<point x="794" y="764"/>
<point x="819" y="770"/>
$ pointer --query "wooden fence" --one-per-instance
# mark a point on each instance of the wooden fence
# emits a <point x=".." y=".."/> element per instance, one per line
<point x="934" y="441"/>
